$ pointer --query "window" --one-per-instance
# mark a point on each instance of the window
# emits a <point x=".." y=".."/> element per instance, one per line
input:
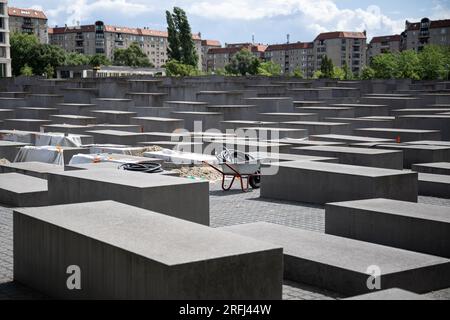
<point x="2" y="70"/>
<point x="2" y="37"/>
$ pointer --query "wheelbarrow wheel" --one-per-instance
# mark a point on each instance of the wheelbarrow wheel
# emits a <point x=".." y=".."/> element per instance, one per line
<point x="255" y="181"/>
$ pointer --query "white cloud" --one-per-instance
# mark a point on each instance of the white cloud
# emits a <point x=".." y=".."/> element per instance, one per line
<point x="85" y="10"/>
<point x="317" y="16"/>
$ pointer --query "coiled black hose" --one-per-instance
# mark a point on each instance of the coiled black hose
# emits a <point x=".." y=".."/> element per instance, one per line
<point x="146" y="167"/>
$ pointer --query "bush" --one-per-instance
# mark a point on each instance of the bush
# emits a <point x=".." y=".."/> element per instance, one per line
<point x="175" y="68"/>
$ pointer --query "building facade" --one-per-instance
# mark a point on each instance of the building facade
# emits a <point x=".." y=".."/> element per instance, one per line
<point x="426" y="32"/>
<point x="219" y="58"/>
<point x="206" y="45"/>
<point x="105" y="39"/>
<point x="383" y="44"/>
<point x="343" y="48"/>
<point x="28" y="21"/>
<point x="5" y="57"/>
<point x="292" y="56"/>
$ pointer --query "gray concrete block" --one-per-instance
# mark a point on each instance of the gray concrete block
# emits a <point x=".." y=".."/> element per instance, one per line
<point x="7" y="114"/>
<point x="235" y="124"/>
<point x="125" y="252"/>
<point x="341" y="265"/>
<point x="34" y="169"/>
<point x="315" y="128"/>
<point x="186" y="106"/>
<point x="35" y="113"/>
<point x="435" y="122"/>
<point x="442" y="168"/>
<point x="288" y="117"/>
<point x="356" y="156"/>
<point x="192" y="120"/>
<point x="390" y="295"/>
<point x="358" y="123"/>
<point x="148" y="191"/>
<point x="425" y="111"/>
<point x="154" y="124"/>
<point x="272" y="104"/>
<point x="235" y="112"/>
<point x="330" y="112"/>
<point x="79" y="109"/>
<point x="9" y="150"/>
<point x="404" y="135"/>
<point x="434" y="185"/>
<point x="44" y="100"/>
<point x="12" y="103"/>
<point x="320" y="183"/>
<point x="406" y="225"/>
<point x="418" y="153"/>
<point x="73" y="119"/>
<point x="113" y="104"/>
<point x="113" y="116"/>
<point x="18" y="190"/>
<point x="268" y="133"/>
<point x="67" y="128"/>
<point x="117" y="137"/>
<point x="147" y="98"/>
<point x="365" y="110"/>
<point x="25" y="124"/>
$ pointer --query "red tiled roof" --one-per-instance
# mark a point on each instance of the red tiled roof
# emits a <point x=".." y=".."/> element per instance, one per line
<point x="290" y="46"/>
<point x="434" y="25"/>
<point x="26" y="13"/>
<point x="211" y="43"/>
<point x="341" y="34"/>
<point x="392" y="38"/>
<point x="224" y="50"/>
<point x="259" y="48"/>
<point x="115" y="29"/>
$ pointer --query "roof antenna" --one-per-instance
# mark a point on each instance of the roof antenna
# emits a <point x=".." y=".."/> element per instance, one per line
<point x="288" y="36"/>
<point x="253" y="38"/>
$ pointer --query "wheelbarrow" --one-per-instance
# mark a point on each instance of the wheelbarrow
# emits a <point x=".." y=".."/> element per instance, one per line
<point x="238" y="166"/>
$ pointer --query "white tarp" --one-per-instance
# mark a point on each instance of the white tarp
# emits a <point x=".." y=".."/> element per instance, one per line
<point x="96" y="158"/>
<point x="58" y="139"/>
<point x="117" y="149"/>
<point x="52" y="155"/>
<point x="181" y="157"/>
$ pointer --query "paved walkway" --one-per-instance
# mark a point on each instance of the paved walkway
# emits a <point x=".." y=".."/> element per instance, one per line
<point x="227" y="209"/>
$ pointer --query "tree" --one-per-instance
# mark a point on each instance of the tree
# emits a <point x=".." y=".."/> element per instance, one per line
<point x="434" y="61"/>
<point x="385" y="66"/>
<point x="181" y="45"/>
<point x="408" y="65"/>
<point x="243" y="63"/>
<point x="269" y="69"/>
<point x="24" y="48"/>
<point x="26" y="71"/>
<point x="133" y="56"/>
<point x="368" y="73"/>
<point x="49" y="58"/>
<point x="298" y="73"/>
<point x="338" y="73"/>
<point x="327" y="68"/>
<point x="348" y="74"/>
<point x="76" y="59"/>
<point x="98" y="60"/>
<point x="176" y="69"/>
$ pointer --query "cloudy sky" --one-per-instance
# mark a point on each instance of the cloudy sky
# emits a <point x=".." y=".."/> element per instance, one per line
<point x="238" y="20"/>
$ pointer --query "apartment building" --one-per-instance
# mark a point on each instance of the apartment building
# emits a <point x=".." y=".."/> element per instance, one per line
<point x="426" y="32"/>
<point x="28" y="21"/>
<point x="206" y="45"/>
<point x="344" y="48"/>
<point x="383" y="44"/>
<point x="219" y="58"/>
<point x="292" y="56"/>
<point x="100" y="38"/>
<point x="5" y="57"/>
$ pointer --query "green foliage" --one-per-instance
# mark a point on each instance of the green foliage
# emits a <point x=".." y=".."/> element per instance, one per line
<point x="177" y="69"/>
<point x="434" y="61"/>
<point x="49" y="57"/>
<point x="269" y="69"/>
<point x="327" y="68"/>
<point x="24" y="48"/>
<point x="348" y="74"/>
<point x="98" y="60"/>
<point x="26" y="70"/>
<point x="133" y="56"/>
<point x="318" y="75"/>
<point x="243" y="63"/>
<point x="181" y="45"/>
<point x="385" y="66"/>
<point x="76" y="59"/>
<point x="408" y="65"/>
<point x="338" y="73"/>
<point x="367" y="73"/>
<point x="49" y="71"/>
<point x="298" y="73"/>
